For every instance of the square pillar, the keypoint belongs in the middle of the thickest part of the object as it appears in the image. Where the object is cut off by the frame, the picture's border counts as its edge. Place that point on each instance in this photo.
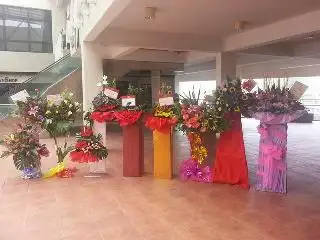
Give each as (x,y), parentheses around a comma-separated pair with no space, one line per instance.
(225,66)
(155,85)
(92,71)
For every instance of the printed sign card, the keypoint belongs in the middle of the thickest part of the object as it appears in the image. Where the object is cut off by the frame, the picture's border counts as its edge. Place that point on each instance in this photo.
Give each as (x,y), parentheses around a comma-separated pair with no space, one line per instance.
(20,96)
(128,101)
(166,101)
(111,92)
(54,99)
(250,85)
(298,89)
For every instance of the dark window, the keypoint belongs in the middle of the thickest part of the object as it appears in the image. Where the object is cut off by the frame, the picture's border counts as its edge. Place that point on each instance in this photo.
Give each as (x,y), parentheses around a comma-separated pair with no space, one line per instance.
(25,29)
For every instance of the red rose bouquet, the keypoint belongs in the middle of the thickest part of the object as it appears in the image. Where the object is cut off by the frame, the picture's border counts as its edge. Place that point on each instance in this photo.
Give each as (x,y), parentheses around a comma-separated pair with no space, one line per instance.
(131,110)
(88,147)
(106,102)
(164,115)
(26,149)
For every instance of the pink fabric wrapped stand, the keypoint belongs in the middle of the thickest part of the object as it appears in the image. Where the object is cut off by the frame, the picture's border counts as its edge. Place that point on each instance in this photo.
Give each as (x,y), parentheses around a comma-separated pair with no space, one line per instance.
(272,166)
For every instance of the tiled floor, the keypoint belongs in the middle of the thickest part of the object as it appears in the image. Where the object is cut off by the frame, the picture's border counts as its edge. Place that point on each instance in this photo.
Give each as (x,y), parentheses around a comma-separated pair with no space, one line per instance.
(145,208)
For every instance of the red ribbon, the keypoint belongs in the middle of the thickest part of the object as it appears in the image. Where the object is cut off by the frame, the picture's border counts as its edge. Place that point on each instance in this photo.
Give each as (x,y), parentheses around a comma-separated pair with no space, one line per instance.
(83,157)
(127,117)
(163,125)
(102,116)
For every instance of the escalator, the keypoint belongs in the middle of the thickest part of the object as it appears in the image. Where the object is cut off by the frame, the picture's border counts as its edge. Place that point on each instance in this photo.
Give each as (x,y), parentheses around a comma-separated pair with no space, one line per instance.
(45,79)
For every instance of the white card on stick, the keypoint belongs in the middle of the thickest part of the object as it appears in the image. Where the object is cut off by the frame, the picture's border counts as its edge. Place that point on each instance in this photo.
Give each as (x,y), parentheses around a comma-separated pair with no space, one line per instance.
(298,89)
(20,96)
(111,92)
(252,85)
(166,101)
(55,99)
(128,101)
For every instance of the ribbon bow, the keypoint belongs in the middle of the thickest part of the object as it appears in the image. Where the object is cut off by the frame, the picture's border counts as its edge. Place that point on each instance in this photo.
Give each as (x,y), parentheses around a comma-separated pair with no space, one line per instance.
(190,170)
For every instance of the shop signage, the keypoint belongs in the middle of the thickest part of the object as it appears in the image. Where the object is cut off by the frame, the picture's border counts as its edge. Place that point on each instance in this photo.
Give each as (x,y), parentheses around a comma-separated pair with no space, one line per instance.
(14,77)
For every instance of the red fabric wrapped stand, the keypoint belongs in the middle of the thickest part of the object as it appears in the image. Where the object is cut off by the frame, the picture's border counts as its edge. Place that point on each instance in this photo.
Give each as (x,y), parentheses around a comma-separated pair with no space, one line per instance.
(230,165)
(133,156)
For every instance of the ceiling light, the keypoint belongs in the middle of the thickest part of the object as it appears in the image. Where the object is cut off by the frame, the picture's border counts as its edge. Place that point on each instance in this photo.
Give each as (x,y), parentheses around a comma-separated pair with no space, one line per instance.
(149,13)
(239,25)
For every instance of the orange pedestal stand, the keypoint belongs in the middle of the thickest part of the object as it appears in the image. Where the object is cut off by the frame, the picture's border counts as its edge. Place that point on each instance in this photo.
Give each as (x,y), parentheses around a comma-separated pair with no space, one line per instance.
(162,150)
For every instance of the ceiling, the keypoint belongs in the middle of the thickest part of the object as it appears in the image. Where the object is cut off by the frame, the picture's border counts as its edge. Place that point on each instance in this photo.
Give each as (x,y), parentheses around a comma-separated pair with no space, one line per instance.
(209,17)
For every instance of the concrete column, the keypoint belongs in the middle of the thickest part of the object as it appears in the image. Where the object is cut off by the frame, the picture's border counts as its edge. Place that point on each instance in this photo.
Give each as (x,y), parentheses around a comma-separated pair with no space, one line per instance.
(225,66)
(92,71)
(155,85)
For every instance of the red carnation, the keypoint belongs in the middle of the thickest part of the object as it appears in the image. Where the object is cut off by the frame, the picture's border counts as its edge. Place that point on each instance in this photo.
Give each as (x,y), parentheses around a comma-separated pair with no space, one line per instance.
(86,132)
(81,144)
(106,108)
(127,117)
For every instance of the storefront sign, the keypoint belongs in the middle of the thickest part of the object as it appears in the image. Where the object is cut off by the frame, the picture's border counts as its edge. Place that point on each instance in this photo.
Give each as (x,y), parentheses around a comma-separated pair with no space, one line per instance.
(6,77)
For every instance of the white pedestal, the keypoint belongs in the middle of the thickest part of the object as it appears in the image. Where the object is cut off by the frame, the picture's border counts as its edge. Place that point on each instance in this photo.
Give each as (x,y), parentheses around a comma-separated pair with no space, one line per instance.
(99,167)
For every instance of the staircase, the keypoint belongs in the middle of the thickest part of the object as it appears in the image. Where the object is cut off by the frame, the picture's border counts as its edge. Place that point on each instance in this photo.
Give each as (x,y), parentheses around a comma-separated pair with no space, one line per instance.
(44,80)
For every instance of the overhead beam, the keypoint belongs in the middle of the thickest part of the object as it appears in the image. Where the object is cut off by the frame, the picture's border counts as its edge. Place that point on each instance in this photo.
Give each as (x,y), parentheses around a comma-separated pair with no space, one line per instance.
(277,49)
(310,50)
(120,52)
(155,56)
(274,32)
(197,57)
(101,15)
(157,40)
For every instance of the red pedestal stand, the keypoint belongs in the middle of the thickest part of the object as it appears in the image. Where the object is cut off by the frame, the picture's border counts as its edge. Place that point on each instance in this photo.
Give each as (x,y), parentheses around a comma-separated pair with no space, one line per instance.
(230,165)
(133,157)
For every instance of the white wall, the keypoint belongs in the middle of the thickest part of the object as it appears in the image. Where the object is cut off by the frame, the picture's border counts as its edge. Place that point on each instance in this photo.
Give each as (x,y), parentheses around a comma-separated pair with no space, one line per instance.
(201,76)
(24,61)
(28,61)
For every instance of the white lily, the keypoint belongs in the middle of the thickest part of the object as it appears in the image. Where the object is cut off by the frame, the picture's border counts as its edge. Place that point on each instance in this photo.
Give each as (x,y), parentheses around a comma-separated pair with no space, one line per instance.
(99,84)
(69,113)
(76,103)
(105,82)
(71,94)
(105,77)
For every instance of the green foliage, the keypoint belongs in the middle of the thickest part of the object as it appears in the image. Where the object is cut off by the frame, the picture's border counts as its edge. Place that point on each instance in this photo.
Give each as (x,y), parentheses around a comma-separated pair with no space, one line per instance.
(192,98)
(63,151)
(135,91)
(24,145)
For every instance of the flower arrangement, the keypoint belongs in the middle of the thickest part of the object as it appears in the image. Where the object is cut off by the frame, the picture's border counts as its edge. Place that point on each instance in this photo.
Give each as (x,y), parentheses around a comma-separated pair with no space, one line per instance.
(195,120)
(88,147)
(60,114)
(164,116)
(26,149)
(32,110)
(130,112)
(275,99)
(103,105)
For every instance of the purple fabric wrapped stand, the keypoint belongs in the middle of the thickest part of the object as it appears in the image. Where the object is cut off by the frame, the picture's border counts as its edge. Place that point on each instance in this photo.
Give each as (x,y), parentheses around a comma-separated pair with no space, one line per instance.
(272,166)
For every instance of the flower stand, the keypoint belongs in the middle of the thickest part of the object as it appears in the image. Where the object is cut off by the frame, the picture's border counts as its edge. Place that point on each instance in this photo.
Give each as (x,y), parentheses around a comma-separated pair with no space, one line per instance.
(205,142)
(272,166)
(100,166)
(230,165)
(133,150)
(163,152)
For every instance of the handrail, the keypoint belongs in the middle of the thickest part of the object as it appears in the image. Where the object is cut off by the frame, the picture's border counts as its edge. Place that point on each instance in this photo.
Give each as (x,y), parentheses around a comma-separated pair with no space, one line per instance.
(48,67)
(18,86)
